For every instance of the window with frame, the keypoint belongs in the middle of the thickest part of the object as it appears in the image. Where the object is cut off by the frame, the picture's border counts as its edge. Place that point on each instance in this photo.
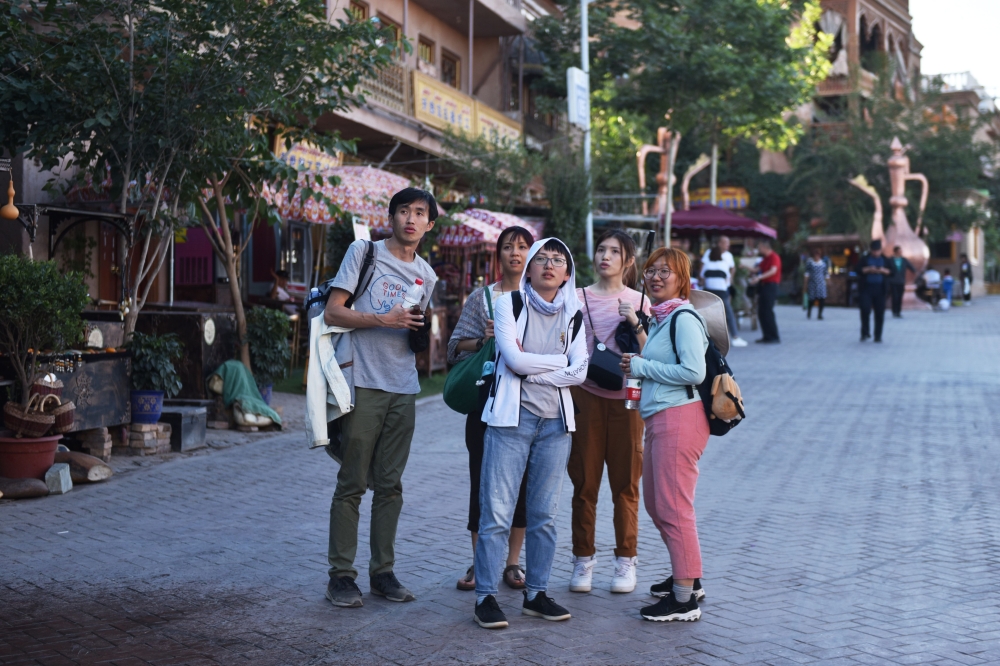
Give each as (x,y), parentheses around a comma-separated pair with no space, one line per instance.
(358,10)
(394,29)
(425,50)
(451,69)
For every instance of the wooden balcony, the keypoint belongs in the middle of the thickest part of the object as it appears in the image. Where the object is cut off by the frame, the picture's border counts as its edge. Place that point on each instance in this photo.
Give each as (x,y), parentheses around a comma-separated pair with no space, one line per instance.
(389,89)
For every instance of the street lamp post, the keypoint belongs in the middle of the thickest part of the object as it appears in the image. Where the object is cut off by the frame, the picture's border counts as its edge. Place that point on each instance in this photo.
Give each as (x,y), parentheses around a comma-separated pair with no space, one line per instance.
(585,66)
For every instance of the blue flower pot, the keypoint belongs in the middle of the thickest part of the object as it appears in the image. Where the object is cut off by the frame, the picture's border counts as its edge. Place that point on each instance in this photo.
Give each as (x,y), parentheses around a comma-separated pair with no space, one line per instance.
(266,392)
(147,406)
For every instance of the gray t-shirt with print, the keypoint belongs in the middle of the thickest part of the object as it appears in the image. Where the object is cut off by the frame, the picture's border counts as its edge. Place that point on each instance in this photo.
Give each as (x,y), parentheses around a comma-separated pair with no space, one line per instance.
(382,356)
(543,335)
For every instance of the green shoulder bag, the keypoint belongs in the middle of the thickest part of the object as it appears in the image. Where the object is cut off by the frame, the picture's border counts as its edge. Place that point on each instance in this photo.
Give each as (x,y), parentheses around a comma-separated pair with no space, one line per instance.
(461,387)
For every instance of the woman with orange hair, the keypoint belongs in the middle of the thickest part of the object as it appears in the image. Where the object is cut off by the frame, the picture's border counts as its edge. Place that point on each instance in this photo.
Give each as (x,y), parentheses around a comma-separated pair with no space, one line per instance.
(676,428)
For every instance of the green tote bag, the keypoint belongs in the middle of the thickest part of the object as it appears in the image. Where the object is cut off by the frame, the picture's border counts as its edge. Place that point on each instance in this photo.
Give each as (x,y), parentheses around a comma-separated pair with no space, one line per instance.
(461,388)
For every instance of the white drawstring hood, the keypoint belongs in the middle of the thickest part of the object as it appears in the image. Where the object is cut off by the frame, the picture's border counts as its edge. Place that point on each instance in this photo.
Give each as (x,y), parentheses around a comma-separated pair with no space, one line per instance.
(570,301)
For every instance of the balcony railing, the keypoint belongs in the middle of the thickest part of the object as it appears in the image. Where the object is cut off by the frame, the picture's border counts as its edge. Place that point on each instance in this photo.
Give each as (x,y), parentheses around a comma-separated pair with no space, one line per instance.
(389,88)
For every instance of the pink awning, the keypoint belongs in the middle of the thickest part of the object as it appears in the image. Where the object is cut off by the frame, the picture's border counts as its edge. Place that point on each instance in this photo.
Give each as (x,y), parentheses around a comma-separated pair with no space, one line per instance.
(363,192)
(478,226)
(709,218)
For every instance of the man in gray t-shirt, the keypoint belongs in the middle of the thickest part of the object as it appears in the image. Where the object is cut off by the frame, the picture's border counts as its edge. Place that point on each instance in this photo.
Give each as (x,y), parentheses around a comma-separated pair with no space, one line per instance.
(382,356)
(375,436)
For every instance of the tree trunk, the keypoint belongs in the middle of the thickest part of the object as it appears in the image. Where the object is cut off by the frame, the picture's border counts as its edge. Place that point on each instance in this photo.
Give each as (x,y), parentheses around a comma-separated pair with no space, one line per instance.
(84,468)
(241,317)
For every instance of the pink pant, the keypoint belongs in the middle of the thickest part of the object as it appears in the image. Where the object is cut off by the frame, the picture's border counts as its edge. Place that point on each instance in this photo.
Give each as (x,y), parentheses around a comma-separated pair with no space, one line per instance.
(675,439)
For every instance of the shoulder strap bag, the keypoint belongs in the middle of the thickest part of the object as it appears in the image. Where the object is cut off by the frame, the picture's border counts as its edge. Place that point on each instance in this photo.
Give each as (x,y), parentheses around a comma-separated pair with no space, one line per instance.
(605,365)
(461,386)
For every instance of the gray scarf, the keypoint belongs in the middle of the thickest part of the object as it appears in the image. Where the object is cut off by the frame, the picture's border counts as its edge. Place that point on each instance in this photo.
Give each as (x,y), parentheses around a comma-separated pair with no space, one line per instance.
(543,305)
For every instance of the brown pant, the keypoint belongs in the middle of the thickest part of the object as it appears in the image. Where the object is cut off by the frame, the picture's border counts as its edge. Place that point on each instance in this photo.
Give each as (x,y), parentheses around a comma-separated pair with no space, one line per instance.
(606,433)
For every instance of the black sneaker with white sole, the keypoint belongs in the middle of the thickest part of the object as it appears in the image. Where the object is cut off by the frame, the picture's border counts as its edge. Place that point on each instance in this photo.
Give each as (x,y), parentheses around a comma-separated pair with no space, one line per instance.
(668,609)
(544,607)
(667,586)
(488,614)
(386,585)
(343,592)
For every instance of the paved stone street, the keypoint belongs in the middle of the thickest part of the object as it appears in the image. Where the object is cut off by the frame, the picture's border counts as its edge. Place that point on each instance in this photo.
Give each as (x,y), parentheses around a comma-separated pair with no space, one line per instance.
(852,519)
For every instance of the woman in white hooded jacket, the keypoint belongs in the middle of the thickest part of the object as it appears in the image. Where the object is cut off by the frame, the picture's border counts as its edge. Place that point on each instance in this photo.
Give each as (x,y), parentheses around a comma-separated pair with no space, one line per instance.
(530,415)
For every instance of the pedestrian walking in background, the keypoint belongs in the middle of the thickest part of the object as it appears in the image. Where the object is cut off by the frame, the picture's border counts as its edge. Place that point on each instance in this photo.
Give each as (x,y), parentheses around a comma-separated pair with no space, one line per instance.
(767,280)
(816,271)
(474,328)
(376,434)
(874,273)
(897,281)
(965,275)
(717,271)
(676,430)
(607,433)
(530,416)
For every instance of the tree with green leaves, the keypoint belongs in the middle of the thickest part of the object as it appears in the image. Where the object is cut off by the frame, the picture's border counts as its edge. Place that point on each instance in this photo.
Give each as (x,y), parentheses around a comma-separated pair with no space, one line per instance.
(179,103)
(497,172)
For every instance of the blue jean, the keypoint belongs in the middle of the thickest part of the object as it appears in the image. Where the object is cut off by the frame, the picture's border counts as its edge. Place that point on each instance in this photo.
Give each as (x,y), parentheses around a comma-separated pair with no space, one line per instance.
(541,445)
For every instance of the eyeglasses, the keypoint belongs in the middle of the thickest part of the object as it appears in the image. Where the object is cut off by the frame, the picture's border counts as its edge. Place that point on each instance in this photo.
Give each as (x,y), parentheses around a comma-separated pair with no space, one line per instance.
(664,273)
(558,262)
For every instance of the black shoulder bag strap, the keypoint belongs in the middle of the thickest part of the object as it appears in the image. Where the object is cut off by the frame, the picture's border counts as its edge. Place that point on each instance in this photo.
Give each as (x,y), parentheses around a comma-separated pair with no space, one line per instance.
(673,341)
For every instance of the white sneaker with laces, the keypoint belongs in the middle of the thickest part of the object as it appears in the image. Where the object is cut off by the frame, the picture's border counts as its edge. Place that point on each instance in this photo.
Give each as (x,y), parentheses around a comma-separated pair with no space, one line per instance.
(583,573)
(738,342)
(624,579)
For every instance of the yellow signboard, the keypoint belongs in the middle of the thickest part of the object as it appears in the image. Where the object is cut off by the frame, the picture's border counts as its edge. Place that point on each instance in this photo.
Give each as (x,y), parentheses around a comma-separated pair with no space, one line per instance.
(306,157)
(495,126)
(440,105)
(735,198)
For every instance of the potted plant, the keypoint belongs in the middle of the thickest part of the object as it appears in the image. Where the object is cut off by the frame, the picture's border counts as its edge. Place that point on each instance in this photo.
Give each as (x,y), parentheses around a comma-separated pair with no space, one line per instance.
(267,333)
(153,374)
(40,316)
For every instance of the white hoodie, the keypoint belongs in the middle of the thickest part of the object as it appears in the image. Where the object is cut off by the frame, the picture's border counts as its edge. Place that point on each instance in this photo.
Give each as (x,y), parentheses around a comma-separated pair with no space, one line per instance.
(503,407)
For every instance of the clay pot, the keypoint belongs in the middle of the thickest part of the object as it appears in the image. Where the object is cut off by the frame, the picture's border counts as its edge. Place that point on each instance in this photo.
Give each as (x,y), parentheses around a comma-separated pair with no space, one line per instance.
(27,457)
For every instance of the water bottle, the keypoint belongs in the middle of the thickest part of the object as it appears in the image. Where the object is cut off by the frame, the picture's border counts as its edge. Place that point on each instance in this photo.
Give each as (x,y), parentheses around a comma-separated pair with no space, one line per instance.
(414,295)
(633,392)
(316,307)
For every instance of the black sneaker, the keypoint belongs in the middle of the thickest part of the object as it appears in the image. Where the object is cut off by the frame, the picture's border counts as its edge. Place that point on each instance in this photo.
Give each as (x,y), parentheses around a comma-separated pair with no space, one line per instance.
(488,614)
(544,607)
(386,585)
(667,586)
(668,609)
(344,592)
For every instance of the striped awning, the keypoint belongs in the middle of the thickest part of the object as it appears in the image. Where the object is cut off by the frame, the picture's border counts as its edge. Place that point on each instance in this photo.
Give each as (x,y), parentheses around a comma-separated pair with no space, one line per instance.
(477,226)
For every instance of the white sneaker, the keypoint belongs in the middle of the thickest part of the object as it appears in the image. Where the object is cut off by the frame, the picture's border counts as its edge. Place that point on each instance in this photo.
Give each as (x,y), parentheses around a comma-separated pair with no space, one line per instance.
(624,580)
(738,342)
(583,573)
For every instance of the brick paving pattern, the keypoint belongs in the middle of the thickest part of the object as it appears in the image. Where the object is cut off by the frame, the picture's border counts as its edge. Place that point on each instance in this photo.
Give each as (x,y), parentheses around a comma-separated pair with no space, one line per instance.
(852,519)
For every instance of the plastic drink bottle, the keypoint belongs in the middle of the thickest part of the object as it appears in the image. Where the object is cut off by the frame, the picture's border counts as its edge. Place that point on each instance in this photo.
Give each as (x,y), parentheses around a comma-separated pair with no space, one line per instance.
(414,295)
(633,392)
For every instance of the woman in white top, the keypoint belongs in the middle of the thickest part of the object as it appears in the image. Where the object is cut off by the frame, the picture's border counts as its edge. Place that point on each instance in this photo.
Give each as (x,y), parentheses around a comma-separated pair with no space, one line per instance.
(716,277)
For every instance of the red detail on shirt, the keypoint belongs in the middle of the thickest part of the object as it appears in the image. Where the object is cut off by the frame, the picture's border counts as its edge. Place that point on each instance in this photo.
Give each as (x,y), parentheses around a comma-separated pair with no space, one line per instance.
(771,261)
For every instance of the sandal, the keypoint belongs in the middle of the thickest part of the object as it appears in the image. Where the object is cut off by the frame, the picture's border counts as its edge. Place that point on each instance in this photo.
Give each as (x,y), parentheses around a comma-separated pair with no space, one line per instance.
(468,582)
(514,577)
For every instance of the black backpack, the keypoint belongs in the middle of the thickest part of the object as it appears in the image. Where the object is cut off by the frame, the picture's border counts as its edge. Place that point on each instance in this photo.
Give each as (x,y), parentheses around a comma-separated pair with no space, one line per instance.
(715,365)
(317,304)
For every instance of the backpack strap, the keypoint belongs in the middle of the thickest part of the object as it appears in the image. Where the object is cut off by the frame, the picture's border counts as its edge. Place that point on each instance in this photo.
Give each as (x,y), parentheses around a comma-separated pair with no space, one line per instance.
(577,323)
(489,300)
(365,275)
(518,303)
(673,342)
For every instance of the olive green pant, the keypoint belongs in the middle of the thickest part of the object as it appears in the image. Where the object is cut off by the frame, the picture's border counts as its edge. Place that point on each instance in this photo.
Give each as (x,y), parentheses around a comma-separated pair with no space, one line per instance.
(376,439)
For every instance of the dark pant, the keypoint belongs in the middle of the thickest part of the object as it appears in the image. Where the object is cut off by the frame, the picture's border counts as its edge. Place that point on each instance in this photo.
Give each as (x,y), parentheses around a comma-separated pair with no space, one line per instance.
(768,294)
(897,298)
(730,315)
(376,444)
(821,302)
(872,298)
(475,431)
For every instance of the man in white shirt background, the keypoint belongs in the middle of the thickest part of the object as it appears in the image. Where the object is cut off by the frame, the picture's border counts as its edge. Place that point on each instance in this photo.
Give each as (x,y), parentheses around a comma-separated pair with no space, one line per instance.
(718,268)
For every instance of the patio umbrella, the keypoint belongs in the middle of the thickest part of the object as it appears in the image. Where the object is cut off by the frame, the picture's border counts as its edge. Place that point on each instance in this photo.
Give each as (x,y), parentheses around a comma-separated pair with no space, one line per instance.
(362,191)
(709,218)
(478,226)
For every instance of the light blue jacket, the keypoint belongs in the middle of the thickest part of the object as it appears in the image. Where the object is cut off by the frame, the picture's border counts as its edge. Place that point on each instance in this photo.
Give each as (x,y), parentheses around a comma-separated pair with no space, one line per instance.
(663,380)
